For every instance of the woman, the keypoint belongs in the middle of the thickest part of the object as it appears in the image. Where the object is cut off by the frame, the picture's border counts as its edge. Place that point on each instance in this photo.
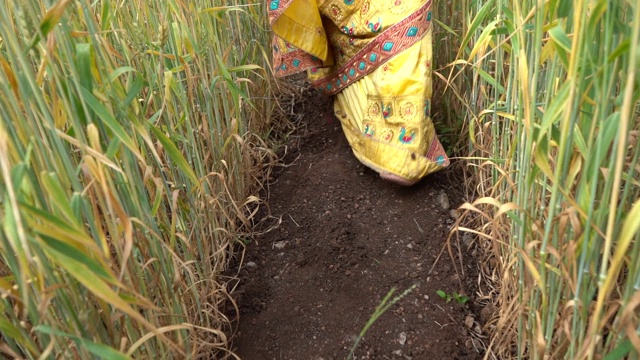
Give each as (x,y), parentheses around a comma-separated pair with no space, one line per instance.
(375,56)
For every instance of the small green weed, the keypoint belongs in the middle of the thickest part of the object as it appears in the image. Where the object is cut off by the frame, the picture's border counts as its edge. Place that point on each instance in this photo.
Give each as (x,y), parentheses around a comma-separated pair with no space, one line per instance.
(460,299)
(380,309)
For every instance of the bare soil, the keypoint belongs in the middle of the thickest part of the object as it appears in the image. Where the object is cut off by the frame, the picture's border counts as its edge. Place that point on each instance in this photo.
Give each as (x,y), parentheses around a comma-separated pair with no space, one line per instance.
(345,238)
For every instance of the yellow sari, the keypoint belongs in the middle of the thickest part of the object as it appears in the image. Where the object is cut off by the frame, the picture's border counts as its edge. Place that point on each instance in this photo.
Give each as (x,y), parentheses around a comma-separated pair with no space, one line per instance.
(375,56)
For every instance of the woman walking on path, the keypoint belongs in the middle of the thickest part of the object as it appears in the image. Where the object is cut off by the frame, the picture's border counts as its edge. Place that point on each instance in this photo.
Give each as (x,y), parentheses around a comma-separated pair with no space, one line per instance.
(375,57)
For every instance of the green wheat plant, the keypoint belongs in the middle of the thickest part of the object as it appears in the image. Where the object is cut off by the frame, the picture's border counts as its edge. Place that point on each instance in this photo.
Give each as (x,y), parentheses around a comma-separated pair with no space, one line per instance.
(550,92)
(130,149)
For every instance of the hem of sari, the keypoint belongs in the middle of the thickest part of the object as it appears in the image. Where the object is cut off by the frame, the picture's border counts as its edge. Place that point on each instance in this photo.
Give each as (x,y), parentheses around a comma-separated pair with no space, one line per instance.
(276,8)
(384,47)
(432,166)
(293,62)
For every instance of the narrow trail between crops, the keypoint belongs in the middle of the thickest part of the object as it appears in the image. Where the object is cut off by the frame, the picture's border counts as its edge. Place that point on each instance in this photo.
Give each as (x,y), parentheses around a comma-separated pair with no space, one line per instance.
(346,237)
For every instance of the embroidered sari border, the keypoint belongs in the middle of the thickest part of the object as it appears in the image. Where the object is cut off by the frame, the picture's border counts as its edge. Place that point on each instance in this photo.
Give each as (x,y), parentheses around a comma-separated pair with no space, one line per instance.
(276,8)
(292,62)
(385,46)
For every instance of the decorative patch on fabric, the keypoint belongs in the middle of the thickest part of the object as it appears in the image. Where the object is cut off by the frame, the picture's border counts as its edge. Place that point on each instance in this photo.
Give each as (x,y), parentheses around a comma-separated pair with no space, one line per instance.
(349,2)
(375,27)
(378,50)
(342,45)
(348,30)
(408,110)
(387,135)
(386,111)
(374,110)
(365,7)
(293,60)
(368,130)
(406,136)
(336,12)
(436,153)
(413,31)
(276,8)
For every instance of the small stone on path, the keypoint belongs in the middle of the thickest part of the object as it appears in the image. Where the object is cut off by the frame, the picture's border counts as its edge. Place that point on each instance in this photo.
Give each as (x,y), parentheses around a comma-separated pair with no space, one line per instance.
(402,339)
(468,321)
(443,200)
(280,244)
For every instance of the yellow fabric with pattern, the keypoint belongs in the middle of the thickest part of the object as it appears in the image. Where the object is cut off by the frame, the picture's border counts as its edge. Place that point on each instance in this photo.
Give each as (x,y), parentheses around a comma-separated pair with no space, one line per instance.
(301,25)
(378,65)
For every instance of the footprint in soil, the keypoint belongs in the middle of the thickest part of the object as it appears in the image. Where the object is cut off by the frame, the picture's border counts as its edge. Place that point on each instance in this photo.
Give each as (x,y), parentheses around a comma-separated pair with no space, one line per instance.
(346,239)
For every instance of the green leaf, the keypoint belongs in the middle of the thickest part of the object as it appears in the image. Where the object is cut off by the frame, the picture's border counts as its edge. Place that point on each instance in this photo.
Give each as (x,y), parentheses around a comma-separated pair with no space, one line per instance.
(10,331)
(83,274)
(484,39)
(105,15)
(72,252)
(51,183)
(100,350)
(107,117)
(49,21)
(119,71)
(175,155)
(553,113)
(460,299)
(486,12)
(620,50)
(77,205)
(560,38)
(134,90)
(447,28)
(564,8)
(622,350)
(483,74)
(84,58)
(45,222)
(236,92)
(561,43)
(595,15)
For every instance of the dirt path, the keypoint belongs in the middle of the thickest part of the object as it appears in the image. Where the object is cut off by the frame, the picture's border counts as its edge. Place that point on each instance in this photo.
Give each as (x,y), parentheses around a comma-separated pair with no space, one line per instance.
(346,238)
